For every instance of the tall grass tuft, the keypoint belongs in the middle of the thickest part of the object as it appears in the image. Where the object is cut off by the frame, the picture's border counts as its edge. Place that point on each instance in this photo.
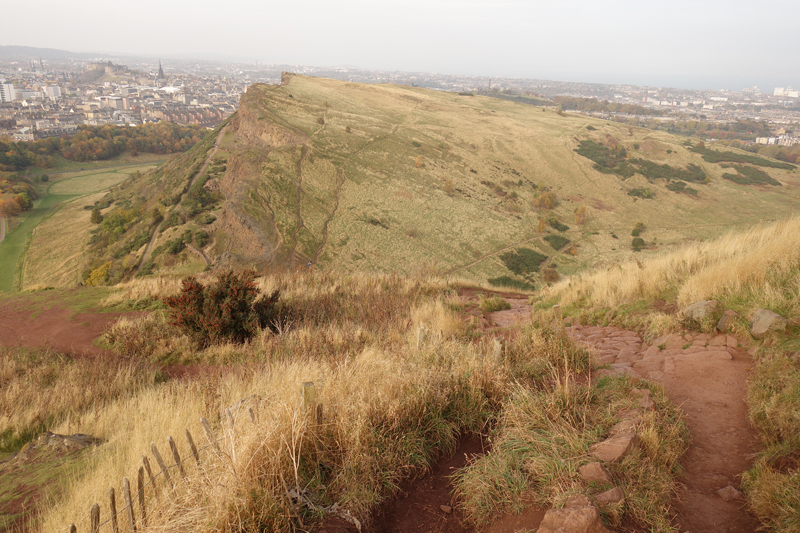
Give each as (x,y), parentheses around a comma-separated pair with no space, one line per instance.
(757,268)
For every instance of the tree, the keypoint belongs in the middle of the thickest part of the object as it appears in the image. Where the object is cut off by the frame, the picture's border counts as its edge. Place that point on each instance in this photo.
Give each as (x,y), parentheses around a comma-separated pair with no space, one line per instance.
(96,217)
(580,215)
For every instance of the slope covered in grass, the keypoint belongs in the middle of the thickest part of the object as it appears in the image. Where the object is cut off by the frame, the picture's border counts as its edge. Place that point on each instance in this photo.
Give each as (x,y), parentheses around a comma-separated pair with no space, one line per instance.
(758,268)
(403,179)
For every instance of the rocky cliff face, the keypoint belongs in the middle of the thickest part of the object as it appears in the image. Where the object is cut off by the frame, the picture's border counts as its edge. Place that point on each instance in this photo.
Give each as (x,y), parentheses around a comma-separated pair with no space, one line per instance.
(252,237)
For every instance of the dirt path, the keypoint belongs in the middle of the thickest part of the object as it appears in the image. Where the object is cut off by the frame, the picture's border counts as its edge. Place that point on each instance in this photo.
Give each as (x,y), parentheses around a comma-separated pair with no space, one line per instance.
(707,376)
(32,325)
(146,254)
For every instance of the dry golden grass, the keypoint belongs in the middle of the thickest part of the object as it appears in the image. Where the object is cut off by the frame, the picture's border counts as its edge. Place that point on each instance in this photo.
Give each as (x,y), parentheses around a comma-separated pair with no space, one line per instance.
(392,403)
(42,388)
(748,270)
(56,253)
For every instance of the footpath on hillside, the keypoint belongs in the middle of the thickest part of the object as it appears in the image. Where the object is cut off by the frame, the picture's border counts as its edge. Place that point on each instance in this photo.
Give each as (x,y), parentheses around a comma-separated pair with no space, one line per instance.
(706,375)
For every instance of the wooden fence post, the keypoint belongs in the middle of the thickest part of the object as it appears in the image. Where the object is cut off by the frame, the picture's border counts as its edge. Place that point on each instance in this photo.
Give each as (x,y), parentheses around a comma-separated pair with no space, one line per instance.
(140,495)
(498,351)
(73,529)
(112,505)
(146,463)
(193,447)
(126,491)
(212,440)
(176,456)
(559,320)
(309,396)
(160,461)
(94,519)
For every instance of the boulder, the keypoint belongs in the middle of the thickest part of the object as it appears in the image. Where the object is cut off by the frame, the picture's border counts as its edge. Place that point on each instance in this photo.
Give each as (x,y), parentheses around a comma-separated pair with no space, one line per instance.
(595,472)
(725,321)
(729,493)
(765,321)
(615,447)
(702,309)
(614,495)
(577,516)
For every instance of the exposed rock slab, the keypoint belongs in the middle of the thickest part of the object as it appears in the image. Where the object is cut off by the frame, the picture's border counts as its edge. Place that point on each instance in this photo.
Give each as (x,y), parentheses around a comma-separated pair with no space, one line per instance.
(577,516)
(764,322)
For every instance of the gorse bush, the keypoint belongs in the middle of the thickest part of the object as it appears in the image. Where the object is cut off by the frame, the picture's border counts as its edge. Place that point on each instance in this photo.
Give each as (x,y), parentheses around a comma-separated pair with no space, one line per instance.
(229,309)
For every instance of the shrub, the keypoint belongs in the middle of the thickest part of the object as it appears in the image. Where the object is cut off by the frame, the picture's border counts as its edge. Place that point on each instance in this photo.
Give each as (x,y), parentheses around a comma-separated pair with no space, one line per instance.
(637,244)
(550,275)
(556,241)
(96,217)
(229,309)
(557,224)
(522,261)
(201,238)
(508,281)
(546,201)
(495,303)
(645,193)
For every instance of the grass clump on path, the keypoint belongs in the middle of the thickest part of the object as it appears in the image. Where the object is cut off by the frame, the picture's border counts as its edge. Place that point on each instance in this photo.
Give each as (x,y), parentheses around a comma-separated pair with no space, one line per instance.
(543,438)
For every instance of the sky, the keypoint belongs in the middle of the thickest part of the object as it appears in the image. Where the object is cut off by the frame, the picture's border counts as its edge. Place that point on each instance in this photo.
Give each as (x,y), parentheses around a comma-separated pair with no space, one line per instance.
(697,44)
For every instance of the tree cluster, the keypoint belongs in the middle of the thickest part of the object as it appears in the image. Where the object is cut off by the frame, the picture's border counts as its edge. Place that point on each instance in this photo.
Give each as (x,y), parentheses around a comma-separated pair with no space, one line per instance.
(93,143)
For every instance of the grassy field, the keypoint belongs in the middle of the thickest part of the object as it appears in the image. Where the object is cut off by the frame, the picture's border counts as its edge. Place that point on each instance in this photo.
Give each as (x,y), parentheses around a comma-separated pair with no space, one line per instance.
(65,187)
(406,180)
(56,253)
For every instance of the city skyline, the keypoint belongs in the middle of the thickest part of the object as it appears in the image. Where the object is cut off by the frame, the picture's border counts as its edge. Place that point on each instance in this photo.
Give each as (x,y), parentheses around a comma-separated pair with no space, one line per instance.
(689,45)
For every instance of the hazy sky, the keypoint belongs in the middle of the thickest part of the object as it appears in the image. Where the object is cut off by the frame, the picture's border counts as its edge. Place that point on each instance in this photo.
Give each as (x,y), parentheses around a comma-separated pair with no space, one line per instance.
(702,44)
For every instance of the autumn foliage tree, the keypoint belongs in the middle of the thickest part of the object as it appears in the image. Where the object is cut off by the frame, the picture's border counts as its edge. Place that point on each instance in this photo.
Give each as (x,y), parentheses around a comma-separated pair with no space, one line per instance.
(580,215)
(546,200)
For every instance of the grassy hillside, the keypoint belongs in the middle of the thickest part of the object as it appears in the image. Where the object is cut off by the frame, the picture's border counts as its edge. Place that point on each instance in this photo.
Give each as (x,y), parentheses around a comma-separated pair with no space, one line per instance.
(402,179)
(746,271)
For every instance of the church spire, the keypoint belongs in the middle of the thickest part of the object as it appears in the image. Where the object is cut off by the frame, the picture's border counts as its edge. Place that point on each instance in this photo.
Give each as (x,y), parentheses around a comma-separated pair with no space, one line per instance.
(160,71)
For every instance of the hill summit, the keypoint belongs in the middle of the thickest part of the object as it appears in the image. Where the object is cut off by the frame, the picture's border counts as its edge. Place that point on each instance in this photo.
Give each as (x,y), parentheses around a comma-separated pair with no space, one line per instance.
(404,179)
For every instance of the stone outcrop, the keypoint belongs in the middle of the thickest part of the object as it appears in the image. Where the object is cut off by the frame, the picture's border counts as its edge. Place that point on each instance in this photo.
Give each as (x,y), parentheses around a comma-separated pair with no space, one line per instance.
(577,516)
(765,322)
(614,495)
(703,309)
(725,321)
(595,473)
(615,447)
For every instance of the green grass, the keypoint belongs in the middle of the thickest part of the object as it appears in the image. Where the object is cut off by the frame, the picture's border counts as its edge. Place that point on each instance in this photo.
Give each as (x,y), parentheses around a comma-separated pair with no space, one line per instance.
(543,438)
(13,246)
(494,303)
(59,192)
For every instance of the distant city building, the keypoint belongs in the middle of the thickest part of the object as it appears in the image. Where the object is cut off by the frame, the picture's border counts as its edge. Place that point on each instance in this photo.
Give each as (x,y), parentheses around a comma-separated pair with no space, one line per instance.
(106,66)
(53,92)
(779,91)
(6,91)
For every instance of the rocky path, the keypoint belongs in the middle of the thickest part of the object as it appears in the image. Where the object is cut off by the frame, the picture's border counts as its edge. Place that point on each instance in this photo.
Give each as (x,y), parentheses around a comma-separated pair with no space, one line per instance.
(707,376)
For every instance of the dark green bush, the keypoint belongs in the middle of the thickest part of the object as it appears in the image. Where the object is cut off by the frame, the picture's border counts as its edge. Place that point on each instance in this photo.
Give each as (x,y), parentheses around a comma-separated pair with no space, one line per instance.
(231,309)
(201,238)
(556,241)
(522,261)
